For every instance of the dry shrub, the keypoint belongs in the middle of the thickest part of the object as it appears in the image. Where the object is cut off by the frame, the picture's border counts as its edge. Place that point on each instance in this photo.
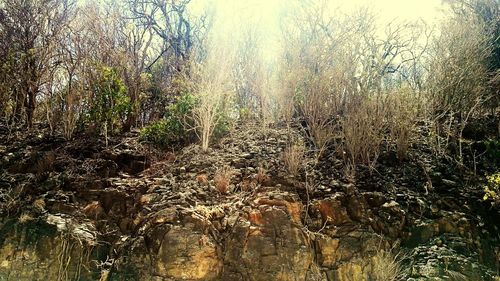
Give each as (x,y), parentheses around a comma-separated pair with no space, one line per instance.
(363,132)
(213,92)
(319,106)
(25,217)
(457,87)
(222,179)
(293,157)
(94,210)
(71,114)
(261,177)
(385,266)
(247,185)
(202,179)
(46,163)
(170,157)
(39,204)
(287,83)
(402,114)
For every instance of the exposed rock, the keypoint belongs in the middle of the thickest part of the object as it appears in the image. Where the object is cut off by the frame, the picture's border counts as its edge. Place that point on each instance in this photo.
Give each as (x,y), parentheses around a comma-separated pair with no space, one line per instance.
(185,253)
(58,250)
(332,210)
(268,243)
(169,223)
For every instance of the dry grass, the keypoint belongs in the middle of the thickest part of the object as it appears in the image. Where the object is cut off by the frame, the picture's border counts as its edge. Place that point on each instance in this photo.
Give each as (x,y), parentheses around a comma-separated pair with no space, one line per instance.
(261,177)
(170,157)
(202,179)
(39,204)
(247,185)
(385,266)
(71,114)
(24,218)
(363,132)
(293,157)
(222,179)
(403,111)
(10,200)
(320,104)
(94,210)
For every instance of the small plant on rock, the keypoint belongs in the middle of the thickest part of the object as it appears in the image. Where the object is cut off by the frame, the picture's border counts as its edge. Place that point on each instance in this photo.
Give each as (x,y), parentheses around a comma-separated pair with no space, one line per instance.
(261,177)
(492,190)
(385,266)
(222,179)
(202,179)
(293,157)
(247,185)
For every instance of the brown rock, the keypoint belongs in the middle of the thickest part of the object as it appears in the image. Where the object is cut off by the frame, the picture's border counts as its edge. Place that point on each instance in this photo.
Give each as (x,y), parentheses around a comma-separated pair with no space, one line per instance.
(187,254)
(269,246)
(94,210)
(332,212)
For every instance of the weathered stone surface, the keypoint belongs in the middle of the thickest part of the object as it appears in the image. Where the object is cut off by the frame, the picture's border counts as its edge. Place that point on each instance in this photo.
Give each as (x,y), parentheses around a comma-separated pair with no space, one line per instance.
(332,210)
(447,258)
(187,254)
(57,250)
(166,223)
(268,244)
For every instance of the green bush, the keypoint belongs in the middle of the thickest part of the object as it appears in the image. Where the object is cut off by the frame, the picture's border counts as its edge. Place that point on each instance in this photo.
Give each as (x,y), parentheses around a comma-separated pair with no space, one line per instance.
(222,126)
(156,133)
(492,190)
(176,126)
(493,149)
(111,104)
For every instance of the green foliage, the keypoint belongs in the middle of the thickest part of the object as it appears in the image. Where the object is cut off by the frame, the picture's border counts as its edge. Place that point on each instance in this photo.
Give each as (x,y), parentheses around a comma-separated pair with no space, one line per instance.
(173,128)
(157,133)
(111,103)
(222,126)
(244,113)
(492,190)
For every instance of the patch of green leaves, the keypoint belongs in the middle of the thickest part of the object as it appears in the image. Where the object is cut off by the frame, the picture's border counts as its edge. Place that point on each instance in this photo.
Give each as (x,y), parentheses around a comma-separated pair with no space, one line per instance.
(174,127)
(492,189)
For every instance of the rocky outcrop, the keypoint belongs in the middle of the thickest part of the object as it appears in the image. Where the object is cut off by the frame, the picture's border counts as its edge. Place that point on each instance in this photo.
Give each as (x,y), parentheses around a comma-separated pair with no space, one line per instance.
(95,214)
(268,242)
(54,249)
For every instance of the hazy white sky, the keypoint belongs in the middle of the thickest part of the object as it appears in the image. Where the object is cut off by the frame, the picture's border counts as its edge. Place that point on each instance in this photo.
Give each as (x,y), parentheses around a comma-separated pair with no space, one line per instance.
(265,15)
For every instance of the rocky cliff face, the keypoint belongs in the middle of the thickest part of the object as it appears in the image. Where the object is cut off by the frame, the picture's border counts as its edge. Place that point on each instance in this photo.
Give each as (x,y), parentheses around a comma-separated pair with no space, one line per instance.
(80,211)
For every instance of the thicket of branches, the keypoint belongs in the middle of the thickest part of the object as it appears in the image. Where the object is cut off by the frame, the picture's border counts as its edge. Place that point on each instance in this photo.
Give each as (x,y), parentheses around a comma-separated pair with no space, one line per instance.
(107,68)
(80,66)
(355,87)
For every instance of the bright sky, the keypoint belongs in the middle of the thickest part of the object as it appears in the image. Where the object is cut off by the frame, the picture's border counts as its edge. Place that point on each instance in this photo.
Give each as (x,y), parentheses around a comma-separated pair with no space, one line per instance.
(264,15)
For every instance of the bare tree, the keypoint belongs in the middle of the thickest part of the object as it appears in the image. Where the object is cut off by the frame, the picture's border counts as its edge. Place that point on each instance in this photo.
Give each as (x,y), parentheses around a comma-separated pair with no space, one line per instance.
(32,27)
(249,74)
(213,91)
(458,77)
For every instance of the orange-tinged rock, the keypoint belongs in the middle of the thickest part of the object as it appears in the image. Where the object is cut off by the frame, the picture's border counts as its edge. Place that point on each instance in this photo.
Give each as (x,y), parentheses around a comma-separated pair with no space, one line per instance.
(294,209)
(255,217)
(269,246)
(146,199)
(332,212)
(186,254)
(327,251)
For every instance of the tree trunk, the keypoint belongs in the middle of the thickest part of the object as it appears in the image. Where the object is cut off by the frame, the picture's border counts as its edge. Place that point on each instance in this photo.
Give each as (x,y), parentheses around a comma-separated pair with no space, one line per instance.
(30,108)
